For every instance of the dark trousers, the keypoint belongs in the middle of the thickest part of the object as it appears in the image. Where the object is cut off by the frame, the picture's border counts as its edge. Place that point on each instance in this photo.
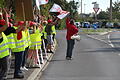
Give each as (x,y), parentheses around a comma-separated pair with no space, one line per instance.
(45,42)
(4,67)
(70,46)
(18,62)
(25,56)
(53,37)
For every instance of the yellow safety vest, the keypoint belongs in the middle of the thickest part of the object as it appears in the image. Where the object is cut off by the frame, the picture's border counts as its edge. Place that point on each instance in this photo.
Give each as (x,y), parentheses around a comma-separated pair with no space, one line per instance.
(4,48)
(11,41)
(28,37)
(36,40)
(20,44)
(43,32)
(53,30)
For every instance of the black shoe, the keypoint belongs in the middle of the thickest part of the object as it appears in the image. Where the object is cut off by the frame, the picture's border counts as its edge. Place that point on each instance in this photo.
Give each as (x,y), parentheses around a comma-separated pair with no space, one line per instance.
(48,51)
(4,78)
(51,52)
(20,76)
(68,58)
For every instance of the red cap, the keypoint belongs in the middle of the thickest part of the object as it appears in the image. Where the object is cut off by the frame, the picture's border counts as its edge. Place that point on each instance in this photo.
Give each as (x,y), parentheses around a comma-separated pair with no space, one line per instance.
(49,21)
(32,23)
(2,22)
(20,23)
(7,15)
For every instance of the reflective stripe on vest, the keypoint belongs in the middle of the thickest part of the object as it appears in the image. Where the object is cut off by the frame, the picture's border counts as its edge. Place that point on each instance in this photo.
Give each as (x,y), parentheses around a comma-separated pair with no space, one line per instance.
(11,41)
(4,48)
(25,38)
(36,41)
(20,44)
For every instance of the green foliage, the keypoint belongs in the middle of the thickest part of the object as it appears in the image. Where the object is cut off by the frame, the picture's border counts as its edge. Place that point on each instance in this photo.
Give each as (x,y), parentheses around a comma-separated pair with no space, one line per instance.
(1,3)
(103,15)
(72,7)
(115,10)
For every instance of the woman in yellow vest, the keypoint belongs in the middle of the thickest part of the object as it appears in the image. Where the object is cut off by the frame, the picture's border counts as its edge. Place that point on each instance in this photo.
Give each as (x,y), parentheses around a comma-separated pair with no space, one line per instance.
(33,57)
(28,43)
(44,40)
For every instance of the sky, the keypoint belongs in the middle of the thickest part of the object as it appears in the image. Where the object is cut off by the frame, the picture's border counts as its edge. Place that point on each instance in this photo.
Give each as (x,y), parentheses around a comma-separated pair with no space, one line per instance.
(88,6)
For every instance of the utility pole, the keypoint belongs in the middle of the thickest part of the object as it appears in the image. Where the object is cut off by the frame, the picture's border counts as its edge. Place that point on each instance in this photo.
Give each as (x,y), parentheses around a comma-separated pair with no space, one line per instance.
(84,8)
(111,10)
(81,6)
(81,10)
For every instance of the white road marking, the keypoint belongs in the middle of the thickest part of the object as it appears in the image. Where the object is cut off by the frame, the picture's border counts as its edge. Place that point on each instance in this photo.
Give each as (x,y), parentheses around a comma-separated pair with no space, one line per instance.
(110,43)
(97,39)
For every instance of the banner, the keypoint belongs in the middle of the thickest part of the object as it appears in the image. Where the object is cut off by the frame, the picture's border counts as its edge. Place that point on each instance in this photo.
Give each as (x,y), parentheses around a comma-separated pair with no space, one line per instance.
(57,8)
(38,4)
(41,2)
(63,14)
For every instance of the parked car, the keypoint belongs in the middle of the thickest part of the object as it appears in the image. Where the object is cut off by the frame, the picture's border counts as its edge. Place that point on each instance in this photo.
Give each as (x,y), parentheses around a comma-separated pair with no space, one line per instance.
(117,25)
(109,25)
(86,25)
(78,24)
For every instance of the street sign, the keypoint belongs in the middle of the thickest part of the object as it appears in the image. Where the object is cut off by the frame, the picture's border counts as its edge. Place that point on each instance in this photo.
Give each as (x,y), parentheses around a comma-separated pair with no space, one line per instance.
(96,7)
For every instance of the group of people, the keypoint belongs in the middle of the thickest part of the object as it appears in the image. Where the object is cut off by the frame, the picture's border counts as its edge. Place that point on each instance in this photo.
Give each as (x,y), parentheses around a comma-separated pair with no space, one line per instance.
(29,41)
(26,41)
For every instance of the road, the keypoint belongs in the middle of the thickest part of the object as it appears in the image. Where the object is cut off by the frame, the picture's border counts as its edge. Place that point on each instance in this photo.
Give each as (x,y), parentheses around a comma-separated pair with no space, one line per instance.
(92,60)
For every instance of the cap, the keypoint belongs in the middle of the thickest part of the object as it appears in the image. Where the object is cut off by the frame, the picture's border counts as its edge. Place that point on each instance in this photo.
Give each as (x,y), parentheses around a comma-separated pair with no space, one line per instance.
(2,22)
(49,21)
(32,23)
(20,23)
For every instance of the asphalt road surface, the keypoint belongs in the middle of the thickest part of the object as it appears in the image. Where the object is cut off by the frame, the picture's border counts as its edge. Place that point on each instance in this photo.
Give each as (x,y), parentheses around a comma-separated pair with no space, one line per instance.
(92,60)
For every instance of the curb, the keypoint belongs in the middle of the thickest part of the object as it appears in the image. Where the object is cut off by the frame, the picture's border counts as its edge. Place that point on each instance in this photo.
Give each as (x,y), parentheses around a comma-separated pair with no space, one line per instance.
(38,71)
(105,33)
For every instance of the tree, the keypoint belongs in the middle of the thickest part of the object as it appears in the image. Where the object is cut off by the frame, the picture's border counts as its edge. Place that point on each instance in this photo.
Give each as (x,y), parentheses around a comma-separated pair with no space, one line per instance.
(115,10)
(1,3)
(103,15)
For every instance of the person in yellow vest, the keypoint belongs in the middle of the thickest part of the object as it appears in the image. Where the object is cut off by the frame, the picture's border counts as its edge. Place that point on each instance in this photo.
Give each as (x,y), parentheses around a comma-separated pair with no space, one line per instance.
(33,57)
(44,40)
(28,43)
(49,31)
(53,33)
(41,54)
(44,37)
(4,56)
(4,46)
(19,50)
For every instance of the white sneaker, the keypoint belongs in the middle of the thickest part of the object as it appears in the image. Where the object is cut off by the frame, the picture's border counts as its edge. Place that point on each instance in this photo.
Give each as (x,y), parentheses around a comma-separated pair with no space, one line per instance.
(24,68)
(37,65)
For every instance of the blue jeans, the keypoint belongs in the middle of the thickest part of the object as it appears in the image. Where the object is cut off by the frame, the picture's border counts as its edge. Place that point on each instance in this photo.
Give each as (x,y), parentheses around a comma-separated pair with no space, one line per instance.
(70,46)
(18,62)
